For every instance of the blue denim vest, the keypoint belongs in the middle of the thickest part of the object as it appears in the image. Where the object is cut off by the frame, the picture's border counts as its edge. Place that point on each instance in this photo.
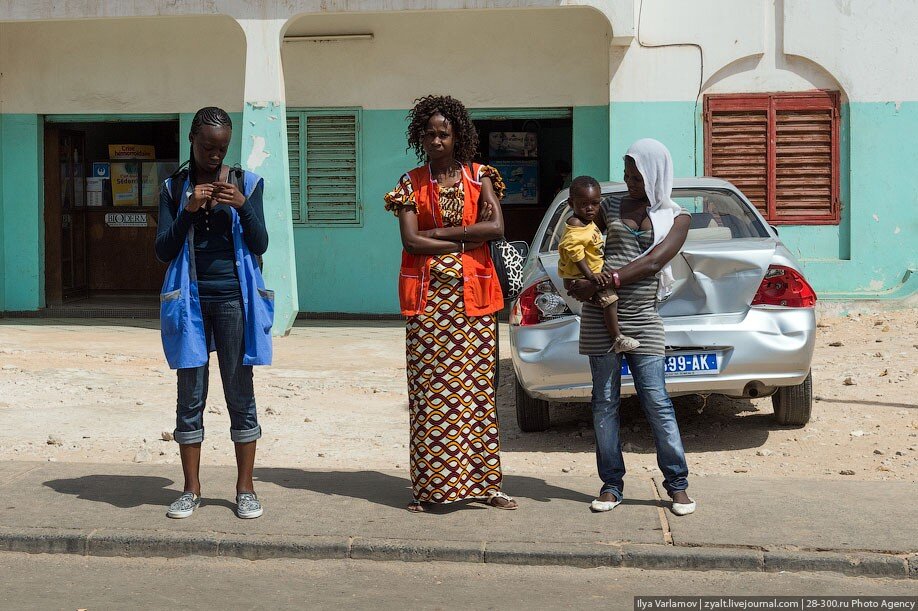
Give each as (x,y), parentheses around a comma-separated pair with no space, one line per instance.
(181,321)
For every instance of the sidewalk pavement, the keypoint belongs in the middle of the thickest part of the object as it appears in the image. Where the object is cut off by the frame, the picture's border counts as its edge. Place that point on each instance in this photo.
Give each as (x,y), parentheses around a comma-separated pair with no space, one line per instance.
(742,524)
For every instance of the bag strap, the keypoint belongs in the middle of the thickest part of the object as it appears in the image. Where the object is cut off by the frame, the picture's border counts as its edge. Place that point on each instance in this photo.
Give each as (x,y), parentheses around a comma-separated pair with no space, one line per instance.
(237,178)
(176,183)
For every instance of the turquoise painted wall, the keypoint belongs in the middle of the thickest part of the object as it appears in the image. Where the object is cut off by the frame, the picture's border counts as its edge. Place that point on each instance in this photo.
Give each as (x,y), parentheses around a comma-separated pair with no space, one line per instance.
(355,268)
(2,225)
(881,209)
(591,141)
(327,257)
(22,211)
(865,256)
(672,123)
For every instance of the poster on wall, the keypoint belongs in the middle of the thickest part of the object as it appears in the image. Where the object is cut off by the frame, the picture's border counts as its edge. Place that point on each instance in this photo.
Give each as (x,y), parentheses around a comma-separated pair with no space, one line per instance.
(131,151)
(125,174)
(513,144)
(95,192)
(124,183)
(522,180)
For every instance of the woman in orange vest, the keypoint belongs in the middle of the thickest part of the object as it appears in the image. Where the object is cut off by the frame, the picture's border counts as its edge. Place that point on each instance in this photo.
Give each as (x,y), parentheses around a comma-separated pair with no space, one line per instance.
(448,209)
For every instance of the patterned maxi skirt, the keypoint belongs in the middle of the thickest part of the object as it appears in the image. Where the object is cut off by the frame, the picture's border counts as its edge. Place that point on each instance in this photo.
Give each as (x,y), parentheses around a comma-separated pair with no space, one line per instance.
(451,401)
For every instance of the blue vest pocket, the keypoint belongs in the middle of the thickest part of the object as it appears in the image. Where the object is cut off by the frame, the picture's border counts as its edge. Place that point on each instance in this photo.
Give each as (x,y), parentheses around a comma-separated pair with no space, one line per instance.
(171,308)
(265,314)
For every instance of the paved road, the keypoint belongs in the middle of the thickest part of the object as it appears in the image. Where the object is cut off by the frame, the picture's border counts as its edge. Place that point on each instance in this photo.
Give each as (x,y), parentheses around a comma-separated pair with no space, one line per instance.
(76,582)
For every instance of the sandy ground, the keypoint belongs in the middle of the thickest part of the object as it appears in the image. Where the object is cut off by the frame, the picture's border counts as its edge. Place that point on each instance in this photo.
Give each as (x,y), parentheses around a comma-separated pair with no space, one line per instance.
(100,391)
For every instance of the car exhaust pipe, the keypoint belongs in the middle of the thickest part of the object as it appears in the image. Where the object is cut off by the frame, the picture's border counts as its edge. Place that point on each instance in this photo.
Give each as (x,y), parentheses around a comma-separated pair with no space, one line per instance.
(754,389)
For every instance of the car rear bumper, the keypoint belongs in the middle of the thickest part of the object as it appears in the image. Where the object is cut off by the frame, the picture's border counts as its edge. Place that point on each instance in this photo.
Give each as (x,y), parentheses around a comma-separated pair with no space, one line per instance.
(759,351)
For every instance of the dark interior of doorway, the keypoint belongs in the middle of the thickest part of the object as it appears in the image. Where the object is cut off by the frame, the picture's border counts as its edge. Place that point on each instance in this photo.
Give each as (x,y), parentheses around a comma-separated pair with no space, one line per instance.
(552,160)
(88,263)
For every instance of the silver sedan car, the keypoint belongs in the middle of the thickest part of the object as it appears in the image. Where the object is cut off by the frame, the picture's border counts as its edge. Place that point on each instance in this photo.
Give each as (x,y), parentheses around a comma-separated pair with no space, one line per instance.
(739,322)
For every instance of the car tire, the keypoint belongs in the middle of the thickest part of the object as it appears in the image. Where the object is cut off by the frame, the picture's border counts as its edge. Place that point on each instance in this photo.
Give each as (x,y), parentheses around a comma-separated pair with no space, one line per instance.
(531,414)
(794,404)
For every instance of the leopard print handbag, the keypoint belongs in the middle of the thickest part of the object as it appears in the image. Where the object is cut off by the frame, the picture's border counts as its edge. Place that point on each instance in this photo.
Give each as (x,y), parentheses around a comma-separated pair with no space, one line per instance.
(509,258)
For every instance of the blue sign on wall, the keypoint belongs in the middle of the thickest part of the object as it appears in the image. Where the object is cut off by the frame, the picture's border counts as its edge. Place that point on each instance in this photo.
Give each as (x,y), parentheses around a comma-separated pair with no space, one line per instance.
(101,170)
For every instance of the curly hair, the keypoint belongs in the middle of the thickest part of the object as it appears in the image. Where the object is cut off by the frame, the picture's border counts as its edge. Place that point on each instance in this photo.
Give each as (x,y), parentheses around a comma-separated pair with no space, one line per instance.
(464,132)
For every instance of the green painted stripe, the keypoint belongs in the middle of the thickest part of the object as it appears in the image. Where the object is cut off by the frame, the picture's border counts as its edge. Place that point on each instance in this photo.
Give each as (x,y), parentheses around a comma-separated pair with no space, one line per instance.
(497,114)
(110,118)
(22,200)
(591,142)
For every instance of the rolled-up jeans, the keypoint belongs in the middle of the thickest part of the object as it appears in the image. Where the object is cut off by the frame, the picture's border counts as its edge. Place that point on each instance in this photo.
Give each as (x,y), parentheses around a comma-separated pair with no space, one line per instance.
(647,373)
(224,324)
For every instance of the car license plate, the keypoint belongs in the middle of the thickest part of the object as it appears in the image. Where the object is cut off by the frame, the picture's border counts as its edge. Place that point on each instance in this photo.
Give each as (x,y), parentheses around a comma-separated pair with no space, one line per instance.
(684,364)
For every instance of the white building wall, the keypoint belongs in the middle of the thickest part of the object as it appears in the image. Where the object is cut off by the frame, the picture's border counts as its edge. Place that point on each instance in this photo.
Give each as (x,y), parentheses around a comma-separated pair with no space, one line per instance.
(151,65)
(519,58)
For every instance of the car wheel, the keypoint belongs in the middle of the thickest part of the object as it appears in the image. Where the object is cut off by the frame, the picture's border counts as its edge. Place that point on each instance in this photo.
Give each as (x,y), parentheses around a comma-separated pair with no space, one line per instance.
(531,414)
(793,404)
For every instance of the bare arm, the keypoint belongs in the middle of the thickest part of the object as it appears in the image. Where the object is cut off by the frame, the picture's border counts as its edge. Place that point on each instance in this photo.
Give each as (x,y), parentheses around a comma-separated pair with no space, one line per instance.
(490,225)
(585,270)
(415,243)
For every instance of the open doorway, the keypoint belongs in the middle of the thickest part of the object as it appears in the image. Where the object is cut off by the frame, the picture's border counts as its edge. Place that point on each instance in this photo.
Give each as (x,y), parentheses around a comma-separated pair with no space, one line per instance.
(534,156)
(102,183)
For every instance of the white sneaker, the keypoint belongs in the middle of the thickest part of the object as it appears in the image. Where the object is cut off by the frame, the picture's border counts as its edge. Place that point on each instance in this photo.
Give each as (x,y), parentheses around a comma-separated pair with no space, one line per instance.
(248,506)
(184,506)
(600,506)
(683,509)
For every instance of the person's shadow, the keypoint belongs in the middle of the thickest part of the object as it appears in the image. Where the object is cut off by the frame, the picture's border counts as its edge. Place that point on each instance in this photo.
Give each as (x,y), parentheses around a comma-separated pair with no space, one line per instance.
(125,491)
(394,491)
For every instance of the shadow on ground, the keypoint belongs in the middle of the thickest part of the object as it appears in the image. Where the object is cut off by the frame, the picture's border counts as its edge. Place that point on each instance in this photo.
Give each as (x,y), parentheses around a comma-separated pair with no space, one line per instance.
(125,491)
(719,424)
(395,491)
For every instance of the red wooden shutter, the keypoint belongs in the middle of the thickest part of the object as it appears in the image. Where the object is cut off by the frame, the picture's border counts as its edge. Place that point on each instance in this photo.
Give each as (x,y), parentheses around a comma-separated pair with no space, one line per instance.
(781,150)
(806,158)
(736,145)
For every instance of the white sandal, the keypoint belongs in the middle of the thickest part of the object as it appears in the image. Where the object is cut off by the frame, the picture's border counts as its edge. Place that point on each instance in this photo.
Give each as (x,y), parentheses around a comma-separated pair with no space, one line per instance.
(600,506)
(683,509)
(506,497)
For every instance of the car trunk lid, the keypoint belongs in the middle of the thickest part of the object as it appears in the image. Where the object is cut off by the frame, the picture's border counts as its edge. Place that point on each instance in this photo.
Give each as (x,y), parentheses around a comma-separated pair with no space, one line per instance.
(712,276)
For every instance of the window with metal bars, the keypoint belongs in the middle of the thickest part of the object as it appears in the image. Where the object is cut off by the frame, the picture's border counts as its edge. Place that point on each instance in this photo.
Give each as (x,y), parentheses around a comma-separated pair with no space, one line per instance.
(780,149)
(323,148)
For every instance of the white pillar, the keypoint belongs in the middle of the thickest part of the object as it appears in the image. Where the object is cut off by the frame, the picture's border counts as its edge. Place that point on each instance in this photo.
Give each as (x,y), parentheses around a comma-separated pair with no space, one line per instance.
(264,151)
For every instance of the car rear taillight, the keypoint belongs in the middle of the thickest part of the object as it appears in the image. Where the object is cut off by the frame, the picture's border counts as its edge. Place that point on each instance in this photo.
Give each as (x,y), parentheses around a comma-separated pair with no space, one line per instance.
(784,286)
(538,303)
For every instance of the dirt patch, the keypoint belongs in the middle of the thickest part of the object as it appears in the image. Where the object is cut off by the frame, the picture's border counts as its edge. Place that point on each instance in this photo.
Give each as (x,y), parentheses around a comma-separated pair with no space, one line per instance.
(100,391)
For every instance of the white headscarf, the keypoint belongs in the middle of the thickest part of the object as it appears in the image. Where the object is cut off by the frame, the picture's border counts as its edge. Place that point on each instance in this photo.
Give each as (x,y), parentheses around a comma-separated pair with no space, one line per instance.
(655,164)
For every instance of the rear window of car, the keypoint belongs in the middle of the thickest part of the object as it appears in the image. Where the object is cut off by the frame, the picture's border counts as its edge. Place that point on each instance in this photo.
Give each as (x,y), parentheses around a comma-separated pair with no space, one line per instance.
(717,214)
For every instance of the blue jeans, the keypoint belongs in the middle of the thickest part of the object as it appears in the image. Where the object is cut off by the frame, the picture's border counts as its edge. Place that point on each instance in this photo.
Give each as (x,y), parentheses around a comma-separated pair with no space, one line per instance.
(223,328)
(647,372)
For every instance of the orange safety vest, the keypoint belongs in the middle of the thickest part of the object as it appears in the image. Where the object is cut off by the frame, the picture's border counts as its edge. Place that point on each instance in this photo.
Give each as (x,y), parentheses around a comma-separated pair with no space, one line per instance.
(481,287)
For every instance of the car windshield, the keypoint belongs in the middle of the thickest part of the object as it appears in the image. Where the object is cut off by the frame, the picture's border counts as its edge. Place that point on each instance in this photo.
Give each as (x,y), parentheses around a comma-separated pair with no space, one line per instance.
(717,214)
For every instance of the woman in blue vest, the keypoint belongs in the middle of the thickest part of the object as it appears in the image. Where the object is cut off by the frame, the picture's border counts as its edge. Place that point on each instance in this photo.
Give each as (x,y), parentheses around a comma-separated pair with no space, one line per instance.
(211,228)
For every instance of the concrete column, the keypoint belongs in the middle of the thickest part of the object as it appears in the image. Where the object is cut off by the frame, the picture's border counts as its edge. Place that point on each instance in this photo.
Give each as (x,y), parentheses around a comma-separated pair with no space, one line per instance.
(264,151)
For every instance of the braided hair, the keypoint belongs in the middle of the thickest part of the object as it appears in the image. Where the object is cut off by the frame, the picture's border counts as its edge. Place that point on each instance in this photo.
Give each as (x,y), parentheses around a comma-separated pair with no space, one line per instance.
(464,132)
(209,115)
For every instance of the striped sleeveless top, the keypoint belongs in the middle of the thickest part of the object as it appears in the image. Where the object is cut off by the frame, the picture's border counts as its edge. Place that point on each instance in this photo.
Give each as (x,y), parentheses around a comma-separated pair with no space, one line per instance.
(637,304)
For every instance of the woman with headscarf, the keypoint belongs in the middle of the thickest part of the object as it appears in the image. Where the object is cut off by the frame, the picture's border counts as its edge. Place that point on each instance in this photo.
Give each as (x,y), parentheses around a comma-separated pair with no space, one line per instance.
(644,231)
